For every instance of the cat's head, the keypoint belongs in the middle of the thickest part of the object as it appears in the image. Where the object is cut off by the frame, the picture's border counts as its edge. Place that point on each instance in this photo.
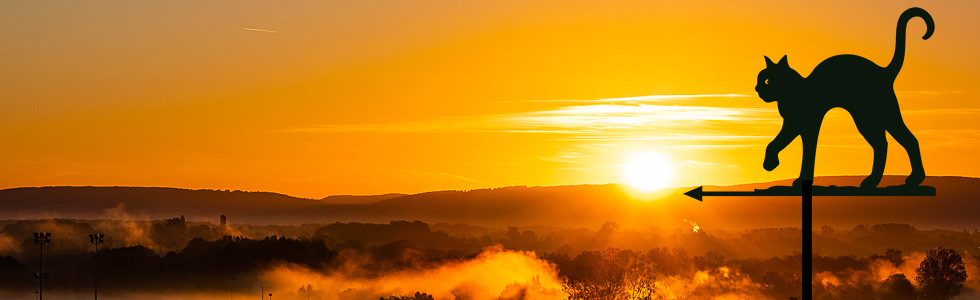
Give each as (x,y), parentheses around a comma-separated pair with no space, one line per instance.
(777,81)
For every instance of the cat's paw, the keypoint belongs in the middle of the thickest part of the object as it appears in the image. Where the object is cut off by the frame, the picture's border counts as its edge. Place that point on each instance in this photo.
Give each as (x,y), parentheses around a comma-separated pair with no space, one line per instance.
(770,163)
(870,182)
(916,178)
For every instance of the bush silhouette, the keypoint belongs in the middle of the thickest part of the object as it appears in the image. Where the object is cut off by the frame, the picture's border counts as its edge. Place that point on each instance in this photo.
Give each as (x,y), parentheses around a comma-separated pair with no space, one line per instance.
(941,274)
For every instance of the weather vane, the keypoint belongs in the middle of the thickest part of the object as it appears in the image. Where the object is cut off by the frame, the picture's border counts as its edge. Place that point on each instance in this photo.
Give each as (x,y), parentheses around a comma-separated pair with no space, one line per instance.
(867,92)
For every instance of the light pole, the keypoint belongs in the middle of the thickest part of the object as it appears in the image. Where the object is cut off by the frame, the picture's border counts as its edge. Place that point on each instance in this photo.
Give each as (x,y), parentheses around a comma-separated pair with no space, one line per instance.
(41,238)
(270,296)
(233,288)
(96,239)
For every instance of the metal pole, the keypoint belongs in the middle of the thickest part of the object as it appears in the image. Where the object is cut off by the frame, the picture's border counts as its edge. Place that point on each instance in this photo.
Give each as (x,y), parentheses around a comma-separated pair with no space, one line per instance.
(96,239)
(96,271)
(40,272)
(807,239)
(41,238)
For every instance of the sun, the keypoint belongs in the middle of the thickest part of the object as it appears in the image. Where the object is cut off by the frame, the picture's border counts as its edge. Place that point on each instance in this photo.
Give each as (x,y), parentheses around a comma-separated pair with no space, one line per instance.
(648,170)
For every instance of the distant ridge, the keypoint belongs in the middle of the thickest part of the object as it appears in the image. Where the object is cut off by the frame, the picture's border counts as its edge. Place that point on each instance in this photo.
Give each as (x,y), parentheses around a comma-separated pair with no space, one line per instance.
(954,207)
(359,199)
(143,202)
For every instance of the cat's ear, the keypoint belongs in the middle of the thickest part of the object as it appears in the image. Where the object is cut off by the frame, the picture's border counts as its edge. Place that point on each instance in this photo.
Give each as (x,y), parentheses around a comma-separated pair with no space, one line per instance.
(769,63)
(783,62)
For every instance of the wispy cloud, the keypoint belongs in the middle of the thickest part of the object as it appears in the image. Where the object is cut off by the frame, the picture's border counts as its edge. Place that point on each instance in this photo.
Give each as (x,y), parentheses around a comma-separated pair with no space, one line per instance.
(943,111)
(261,30)
(672,136)
(564,157)
(459,177)
(950,137)
(927,93)
(624,116)
(638,99)
(594,121)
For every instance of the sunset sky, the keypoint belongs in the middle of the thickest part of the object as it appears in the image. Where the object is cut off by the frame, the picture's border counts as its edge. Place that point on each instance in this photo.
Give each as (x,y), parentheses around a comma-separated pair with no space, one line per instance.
(316,98)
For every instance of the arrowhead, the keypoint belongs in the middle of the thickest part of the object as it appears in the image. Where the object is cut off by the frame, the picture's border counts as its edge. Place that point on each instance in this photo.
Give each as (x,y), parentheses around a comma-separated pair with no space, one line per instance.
(695,193)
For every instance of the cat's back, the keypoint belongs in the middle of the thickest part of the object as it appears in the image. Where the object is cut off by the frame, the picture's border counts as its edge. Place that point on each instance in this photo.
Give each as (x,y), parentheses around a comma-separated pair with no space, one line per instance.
(847,68)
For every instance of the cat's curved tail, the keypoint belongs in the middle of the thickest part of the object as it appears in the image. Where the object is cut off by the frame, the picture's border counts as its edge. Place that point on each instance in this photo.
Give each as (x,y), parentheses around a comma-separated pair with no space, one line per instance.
(903,21)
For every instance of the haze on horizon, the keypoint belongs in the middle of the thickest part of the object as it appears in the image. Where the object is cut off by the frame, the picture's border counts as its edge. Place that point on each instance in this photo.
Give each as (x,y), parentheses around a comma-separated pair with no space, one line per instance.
(320,98)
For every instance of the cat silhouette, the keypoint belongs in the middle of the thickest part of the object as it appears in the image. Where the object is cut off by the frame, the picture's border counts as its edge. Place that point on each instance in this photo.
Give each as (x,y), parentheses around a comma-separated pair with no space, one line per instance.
(850,82)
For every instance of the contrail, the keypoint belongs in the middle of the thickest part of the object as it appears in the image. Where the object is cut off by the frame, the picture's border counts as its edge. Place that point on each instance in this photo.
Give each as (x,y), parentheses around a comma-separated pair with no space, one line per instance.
(261,30)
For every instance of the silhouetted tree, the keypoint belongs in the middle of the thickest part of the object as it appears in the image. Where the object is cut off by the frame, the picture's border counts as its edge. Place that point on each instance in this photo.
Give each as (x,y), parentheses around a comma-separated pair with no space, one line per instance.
(417,296)
(513,233)
(895,256)
(941,274)
(709,261)
(892,255)
(846,291)
(610,274)
(640,280)
(897,287)
(826,230)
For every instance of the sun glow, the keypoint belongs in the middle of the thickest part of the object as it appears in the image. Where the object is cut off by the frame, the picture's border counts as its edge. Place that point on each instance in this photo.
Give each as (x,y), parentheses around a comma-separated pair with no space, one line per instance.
(648,171)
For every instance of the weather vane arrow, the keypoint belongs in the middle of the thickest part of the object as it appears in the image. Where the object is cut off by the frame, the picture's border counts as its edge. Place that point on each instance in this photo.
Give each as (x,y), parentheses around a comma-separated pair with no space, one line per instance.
(699,193)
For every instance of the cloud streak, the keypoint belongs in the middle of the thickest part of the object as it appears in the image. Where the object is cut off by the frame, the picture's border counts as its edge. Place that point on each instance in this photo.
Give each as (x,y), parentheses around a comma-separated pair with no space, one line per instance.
(640,99)
(460,177)
(623,116)
(641,118)
(261,30)
(602,119)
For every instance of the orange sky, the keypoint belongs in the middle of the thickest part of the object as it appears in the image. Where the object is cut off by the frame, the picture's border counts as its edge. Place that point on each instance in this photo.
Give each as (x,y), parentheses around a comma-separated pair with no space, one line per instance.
(313,98)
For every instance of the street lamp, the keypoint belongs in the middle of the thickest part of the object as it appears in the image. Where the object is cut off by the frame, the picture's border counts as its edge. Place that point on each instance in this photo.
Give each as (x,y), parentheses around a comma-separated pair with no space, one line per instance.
(270,296)
(96,239)
(41,238)
(233,288)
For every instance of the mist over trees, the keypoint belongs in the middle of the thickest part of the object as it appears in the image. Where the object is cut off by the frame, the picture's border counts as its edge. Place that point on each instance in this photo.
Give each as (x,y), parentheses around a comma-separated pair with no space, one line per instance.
(897,287)
(608,262)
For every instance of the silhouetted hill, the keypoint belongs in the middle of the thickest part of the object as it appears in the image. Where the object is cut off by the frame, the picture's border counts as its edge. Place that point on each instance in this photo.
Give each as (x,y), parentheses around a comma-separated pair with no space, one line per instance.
(355,199)
(954,207)
(149,202)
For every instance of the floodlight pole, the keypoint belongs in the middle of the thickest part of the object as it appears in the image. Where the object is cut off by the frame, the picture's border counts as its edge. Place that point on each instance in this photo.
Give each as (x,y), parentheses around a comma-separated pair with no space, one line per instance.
(96,239)
(41,238)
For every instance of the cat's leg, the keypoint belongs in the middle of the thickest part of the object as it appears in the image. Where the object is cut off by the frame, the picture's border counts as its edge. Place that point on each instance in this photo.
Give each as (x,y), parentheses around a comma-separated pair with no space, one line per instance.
(809,136)
(875,135)
(901,133)
(785,136)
